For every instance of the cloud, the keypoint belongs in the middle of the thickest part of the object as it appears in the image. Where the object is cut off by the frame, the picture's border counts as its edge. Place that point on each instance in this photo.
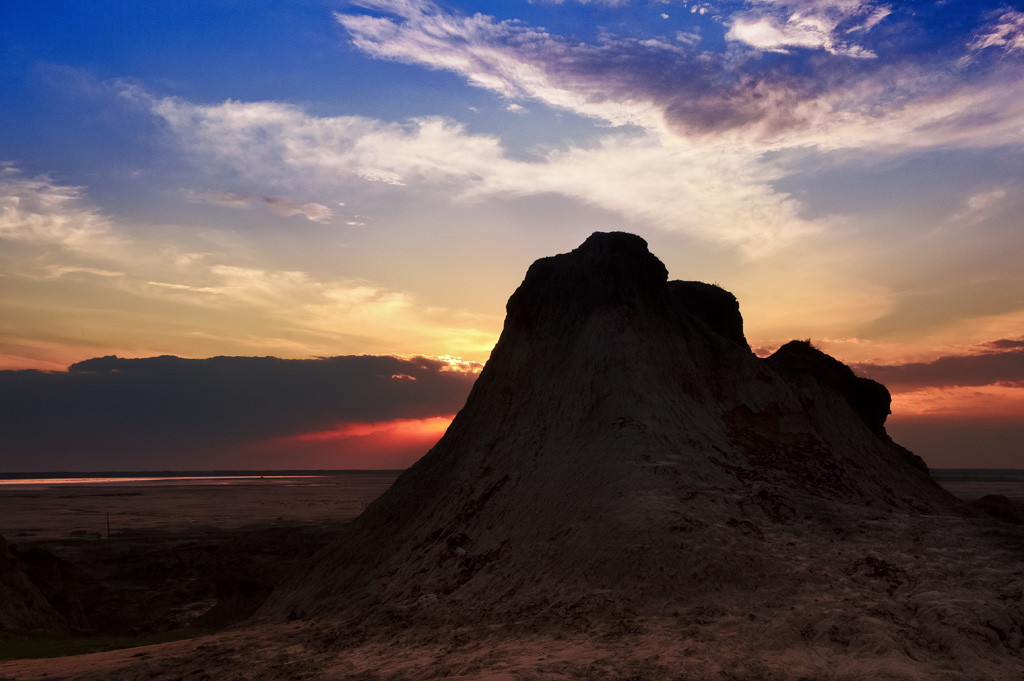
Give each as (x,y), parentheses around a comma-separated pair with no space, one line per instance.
(1006,344)
(1004,368)
(698,138)
(161,411)
(959,410)
(690,39)
(767,33)
(327,313)
(506,57)
(714,191)
(775,25)
(979,206)
(1007,33)
(296,149)
(314,212)
(37,211)
(909,100)
(56,271)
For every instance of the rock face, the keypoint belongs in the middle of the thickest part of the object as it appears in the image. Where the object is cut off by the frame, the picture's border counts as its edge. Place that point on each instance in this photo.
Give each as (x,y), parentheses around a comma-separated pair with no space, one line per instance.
(623,450)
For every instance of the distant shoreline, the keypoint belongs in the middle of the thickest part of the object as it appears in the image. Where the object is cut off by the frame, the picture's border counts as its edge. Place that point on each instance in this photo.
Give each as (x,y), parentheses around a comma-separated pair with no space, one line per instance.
(977,474)
(196,474)
(939,474)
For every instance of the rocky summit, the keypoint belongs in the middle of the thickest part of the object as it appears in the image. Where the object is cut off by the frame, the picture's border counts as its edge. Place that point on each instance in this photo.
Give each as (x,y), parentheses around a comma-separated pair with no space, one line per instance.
(625,455)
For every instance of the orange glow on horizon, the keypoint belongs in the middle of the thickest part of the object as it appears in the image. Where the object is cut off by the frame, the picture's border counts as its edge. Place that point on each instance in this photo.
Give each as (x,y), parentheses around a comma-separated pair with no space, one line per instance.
(390,444)
(989,402)
(398,428)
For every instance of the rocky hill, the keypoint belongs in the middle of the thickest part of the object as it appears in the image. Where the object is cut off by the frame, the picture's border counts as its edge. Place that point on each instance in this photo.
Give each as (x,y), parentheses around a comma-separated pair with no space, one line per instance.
(623,452)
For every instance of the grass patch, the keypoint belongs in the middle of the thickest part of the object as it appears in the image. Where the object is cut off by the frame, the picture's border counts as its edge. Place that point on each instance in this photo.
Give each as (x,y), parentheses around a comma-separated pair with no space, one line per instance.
(30,646)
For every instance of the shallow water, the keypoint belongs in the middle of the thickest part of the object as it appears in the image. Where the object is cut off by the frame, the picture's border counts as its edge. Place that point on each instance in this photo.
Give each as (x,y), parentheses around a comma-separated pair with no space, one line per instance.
(118,481)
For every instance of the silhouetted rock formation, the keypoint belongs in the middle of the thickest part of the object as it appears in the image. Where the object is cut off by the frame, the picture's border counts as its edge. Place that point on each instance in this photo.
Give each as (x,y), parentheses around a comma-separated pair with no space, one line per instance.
(622,451)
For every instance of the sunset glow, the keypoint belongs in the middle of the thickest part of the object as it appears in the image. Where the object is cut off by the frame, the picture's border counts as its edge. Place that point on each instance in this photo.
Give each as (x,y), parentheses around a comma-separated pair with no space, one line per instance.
(417,429)
(990,402)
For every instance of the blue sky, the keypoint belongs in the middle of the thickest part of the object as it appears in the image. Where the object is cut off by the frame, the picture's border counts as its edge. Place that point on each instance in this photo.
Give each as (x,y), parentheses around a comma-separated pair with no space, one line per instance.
(313,178)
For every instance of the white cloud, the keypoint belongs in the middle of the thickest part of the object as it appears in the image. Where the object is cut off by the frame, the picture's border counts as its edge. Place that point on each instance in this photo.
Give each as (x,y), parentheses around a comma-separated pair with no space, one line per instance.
(1007,33)
(279,146)
(980,206)
(715,191)
(775,25)
(989,114)
(688,39)
(505,57)
(316,212)
(41,212)
(873,19)
(766,33)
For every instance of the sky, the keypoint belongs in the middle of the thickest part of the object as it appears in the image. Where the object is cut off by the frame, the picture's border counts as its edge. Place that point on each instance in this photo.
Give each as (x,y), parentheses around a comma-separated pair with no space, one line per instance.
(309,179)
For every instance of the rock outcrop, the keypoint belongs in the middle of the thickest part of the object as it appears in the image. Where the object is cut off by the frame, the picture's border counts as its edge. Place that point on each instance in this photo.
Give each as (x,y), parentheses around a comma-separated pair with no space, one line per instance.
(622,447)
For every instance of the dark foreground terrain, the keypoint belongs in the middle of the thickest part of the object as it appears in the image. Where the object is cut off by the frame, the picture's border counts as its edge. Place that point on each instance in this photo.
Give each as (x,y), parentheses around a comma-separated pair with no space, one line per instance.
(176,580)
(180,560)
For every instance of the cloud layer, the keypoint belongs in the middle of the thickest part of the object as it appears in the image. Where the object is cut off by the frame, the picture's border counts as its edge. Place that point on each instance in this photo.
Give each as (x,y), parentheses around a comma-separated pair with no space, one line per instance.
(1004,366)
(684,139)
(168,412)
(661,85)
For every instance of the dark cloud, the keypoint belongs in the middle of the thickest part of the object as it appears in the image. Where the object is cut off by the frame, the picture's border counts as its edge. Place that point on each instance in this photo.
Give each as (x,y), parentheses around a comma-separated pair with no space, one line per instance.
(1006,344)
(110,413)
(992,368)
